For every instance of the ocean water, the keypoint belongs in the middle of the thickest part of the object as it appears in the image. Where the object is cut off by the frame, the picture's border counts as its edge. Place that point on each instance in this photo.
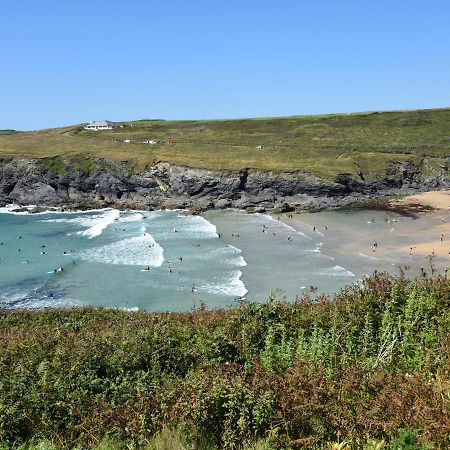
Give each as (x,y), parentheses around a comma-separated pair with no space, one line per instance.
(217,259)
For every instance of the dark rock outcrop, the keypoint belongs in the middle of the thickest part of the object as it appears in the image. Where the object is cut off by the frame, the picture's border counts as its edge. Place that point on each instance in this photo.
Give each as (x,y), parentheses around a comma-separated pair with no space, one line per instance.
(165,185)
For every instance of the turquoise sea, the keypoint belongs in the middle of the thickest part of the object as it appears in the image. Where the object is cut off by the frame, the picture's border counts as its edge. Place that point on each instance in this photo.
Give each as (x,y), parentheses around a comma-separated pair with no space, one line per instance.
(217,259)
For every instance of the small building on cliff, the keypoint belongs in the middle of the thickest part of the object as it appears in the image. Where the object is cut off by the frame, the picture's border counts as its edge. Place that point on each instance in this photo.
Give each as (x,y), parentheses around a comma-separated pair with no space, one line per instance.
(98,125)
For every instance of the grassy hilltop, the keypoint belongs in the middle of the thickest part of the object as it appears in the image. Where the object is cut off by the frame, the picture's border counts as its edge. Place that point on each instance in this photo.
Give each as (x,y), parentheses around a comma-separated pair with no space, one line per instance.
(324,145)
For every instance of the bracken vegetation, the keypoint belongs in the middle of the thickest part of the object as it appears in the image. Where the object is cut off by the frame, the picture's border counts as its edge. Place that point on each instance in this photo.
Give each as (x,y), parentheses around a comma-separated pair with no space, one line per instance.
(369,369)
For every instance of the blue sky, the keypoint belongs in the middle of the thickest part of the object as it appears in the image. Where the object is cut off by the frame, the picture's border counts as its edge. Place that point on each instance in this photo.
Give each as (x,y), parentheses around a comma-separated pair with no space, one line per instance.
(65,62)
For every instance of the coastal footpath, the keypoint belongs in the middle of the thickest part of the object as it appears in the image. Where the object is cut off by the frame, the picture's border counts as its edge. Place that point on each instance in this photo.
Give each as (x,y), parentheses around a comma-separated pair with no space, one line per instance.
(34,182)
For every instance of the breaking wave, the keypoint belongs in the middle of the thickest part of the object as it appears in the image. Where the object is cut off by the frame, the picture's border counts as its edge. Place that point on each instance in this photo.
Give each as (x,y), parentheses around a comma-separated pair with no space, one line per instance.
(231,285)
(197,227)
(100,223)
(140,250)
(336,271)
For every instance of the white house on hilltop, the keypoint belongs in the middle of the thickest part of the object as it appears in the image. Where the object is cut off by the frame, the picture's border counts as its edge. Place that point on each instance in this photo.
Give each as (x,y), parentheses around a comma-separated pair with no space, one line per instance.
(98,125)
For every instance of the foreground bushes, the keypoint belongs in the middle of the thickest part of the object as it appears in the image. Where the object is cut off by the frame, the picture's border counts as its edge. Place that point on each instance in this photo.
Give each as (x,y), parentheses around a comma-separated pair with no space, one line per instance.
(368,367)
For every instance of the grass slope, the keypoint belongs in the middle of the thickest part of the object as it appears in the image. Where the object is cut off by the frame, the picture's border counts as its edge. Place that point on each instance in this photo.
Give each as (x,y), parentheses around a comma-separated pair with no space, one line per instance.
(324,145)
(370,368)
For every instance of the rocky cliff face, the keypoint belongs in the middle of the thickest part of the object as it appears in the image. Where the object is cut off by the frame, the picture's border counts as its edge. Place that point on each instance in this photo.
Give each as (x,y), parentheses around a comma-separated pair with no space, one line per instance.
(26,182)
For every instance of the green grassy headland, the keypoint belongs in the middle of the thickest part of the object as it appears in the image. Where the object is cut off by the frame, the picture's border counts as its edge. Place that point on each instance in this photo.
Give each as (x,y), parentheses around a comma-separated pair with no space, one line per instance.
(324,145)
(369,369)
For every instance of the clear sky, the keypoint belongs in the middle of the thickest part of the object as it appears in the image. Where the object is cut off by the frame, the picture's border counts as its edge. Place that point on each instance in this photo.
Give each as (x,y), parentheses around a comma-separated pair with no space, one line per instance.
(65,61)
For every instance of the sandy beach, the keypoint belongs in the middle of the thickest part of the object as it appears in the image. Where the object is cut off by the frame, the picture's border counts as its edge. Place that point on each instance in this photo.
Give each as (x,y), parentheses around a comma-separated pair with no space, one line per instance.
(404,235)
(436,199)
(435,239)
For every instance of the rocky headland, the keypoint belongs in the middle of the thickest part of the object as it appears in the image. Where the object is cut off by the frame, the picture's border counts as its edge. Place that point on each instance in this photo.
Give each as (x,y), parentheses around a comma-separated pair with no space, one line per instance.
(167,186)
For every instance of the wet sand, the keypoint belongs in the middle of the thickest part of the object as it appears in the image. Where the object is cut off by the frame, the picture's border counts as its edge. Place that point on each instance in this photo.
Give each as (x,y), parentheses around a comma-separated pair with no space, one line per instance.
(368,240)
(435,238)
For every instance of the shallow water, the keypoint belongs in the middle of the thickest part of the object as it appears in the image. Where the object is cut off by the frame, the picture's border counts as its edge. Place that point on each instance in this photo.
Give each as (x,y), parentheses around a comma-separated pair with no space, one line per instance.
(349,235)
(217,259)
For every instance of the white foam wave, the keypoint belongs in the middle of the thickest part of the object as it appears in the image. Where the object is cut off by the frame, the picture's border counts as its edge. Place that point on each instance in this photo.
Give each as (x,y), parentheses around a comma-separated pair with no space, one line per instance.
(132,218)
(45,303)
(100,223)
(87,221)
(35,300)
(238,262)
(231,285)
(283,224)
(198,227)
(367,256)
(15,209)
(233,248)
(140,250)
(336,271)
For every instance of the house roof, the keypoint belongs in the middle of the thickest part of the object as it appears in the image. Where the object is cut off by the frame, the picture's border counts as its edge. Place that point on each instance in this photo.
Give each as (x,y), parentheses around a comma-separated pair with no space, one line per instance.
(101,123)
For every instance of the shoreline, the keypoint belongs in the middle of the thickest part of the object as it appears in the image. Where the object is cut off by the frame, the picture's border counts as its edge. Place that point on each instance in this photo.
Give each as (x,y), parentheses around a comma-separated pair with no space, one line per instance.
(405,234)
(345,236)
(408,204)
(439,245)
(432,239)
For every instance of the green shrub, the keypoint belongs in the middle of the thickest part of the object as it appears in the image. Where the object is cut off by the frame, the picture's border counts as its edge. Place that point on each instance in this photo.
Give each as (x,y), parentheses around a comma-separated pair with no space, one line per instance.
(356,369)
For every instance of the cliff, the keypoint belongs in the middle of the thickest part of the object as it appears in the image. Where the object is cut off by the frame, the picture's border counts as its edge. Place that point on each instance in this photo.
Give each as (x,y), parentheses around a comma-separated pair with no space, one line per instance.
(39,182)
